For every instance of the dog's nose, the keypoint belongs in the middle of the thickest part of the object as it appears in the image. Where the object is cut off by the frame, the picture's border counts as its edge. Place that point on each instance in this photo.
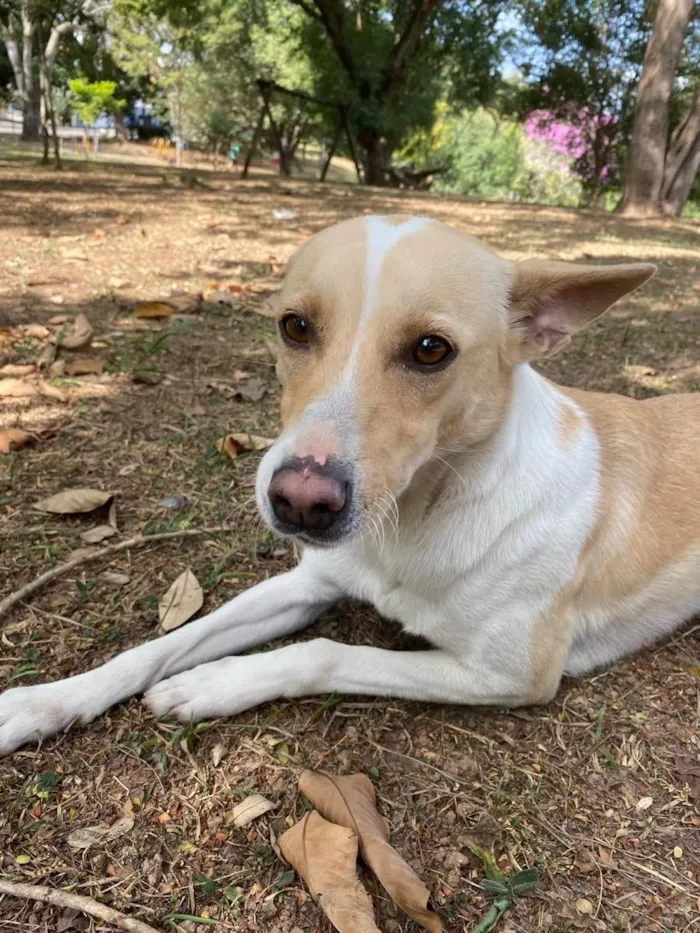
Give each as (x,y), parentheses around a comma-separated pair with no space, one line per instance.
(307,498)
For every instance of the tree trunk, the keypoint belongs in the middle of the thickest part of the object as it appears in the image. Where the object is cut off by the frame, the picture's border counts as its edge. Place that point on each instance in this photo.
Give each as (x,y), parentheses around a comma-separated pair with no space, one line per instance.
(30,97)
(682,161)
(647,150)
(371,142)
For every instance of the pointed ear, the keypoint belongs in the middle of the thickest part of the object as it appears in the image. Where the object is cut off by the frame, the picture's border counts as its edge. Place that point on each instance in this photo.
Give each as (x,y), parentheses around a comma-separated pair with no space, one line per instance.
(550,301)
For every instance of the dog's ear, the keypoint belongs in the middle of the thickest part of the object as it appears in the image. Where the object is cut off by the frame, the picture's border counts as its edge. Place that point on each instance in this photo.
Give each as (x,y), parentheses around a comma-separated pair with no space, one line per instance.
(550,301)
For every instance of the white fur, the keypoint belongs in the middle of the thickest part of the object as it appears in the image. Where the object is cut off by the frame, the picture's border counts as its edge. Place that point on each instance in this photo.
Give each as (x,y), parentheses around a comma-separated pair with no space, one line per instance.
(472,580)
(475,576)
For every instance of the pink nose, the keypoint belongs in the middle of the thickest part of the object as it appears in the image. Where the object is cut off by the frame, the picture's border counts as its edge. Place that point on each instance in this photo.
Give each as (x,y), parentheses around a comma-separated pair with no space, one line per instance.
(306,498)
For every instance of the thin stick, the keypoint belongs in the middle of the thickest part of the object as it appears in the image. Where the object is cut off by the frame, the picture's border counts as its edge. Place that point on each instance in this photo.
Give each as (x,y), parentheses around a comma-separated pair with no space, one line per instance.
(86,905)
(62,569)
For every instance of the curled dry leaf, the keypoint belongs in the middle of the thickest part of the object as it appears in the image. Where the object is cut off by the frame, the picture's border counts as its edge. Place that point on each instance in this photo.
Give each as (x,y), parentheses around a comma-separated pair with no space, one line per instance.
(97,534)
(235,444)
(152,309)
(51,391)
(86,366)
(183,599)
(74,501)
(93,835)
(14,438)
(16,388)
(77,335)
(250,809)
(17,369)
(325,856)
(350,801)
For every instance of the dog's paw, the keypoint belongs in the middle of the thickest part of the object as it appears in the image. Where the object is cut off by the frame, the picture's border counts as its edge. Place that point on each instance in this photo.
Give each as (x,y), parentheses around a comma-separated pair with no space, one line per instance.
(28,714)
(205,692)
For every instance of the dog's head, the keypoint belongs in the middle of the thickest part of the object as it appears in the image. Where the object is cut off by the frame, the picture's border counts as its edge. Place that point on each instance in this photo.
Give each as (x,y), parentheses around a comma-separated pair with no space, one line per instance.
(397,341)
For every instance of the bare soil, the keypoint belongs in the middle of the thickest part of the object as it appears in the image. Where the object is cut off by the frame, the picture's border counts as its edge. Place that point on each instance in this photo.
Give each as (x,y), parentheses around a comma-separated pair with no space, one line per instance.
(600,790)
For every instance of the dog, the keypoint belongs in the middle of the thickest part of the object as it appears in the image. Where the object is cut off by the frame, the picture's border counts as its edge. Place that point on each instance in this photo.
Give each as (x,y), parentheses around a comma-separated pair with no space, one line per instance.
(523,529)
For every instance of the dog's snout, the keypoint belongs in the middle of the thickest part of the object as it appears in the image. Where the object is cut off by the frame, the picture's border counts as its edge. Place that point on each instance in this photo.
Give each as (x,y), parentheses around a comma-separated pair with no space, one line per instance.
(304,497)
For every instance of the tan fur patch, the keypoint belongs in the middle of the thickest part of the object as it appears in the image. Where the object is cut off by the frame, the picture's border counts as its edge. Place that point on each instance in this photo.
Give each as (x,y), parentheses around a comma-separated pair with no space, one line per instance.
(569,427)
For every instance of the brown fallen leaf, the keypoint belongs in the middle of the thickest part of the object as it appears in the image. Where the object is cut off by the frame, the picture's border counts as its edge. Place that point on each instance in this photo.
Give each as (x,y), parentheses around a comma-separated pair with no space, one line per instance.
(17,369)
(152,309)
(222,297)
(235,444)
(85,366)
(325,856)
(98,533)
(147,378)
(38,331)
(74,501)
(250,809)
(58,319)
(16,388)
(350,801)
(92,835)
(47,357)
(78,334)
(14,438)
(179,604)
(185,303)
(51,391)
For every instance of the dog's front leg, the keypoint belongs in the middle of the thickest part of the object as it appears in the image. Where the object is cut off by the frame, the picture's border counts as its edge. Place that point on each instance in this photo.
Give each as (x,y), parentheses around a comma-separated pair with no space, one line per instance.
(269,610)
(323,666)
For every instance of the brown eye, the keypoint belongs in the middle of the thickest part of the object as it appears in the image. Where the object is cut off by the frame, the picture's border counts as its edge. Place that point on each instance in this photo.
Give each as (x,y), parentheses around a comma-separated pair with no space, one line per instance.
(295,329)
(431,350)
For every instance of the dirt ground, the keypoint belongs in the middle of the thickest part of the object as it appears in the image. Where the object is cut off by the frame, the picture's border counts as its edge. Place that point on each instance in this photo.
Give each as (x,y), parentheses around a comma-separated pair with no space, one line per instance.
(599,790)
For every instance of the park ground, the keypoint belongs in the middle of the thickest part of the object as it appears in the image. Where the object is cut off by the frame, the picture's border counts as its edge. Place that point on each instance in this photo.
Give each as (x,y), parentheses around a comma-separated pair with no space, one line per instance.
(599,790)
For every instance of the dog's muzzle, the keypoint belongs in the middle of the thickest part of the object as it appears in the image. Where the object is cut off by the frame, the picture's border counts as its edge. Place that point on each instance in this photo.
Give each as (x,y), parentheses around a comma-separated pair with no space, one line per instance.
(310,499)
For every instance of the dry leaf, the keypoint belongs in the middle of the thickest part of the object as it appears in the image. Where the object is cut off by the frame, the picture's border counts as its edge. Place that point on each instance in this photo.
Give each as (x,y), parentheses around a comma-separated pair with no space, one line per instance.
(584,906)
(252,390)
(235,444)
(16,388)
(14,438)
(58,319)
(180,603)
(217,753)
(97,534)
(152,309)
(250,809)
(79,334)
(86,366)
(325,856)
(117,579)
(39,331)
(185,303)
(74,501)
(51,391)
(350,801)
(17,369)
(93,835)
(644,803)
(216,296)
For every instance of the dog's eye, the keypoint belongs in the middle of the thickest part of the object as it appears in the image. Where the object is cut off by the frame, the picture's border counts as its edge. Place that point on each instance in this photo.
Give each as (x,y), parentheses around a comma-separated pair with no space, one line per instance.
(295,329)
(431,350)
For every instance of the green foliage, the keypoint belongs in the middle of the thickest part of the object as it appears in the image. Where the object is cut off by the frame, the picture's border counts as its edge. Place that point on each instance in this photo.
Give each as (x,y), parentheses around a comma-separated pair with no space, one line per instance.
(91,99)
(491,157)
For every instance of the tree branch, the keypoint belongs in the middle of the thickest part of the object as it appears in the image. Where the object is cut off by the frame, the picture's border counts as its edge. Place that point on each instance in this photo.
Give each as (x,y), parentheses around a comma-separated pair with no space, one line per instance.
(330,15)
(407,45)
(86,905)
(308,9)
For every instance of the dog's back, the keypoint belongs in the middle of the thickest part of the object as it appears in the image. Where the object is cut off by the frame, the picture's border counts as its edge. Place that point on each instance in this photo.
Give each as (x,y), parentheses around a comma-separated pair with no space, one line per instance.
(641,566)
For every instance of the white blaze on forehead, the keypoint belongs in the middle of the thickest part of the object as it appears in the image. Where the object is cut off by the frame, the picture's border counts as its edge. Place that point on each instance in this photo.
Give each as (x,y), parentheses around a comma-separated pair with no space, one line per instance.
(381,238)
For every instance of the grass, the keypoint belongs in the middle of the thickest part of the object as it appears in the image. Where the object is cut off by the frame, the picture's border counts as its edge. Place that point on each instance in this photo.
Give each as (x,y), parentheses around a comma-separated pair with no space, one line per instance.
(561,785)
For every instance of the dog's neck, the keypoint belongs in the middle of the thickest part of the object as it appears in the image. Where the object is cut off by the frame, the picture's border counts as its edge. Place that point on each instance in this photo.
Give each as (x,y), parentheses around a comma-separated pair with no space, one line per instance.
(524,451)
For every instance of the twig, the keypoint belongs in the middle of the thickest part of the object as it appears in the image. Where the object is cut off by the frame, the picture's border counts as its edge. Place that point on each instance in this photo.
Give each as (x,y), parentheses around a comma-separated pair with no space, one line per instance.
(62,569)
(86,905)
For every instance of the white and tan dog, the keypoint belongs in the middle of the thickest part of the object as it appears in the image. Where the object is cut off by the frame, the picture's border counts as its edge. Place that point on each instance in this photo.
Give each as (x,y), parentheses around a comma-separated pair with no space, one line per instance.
(524,529)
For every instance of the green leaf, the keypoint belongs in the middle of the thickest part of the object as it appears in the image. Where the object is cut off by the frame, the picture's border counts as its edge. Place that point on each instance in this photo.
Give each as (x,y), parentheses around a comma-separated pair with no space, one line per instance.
(283,881)
(526,880)
(493,916)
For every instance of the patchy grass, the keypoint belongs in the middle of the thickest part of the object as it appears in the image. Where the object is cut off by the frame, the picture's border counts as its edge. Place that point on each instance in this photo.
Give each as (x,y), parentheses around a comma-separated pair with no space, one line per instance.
(568,786)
